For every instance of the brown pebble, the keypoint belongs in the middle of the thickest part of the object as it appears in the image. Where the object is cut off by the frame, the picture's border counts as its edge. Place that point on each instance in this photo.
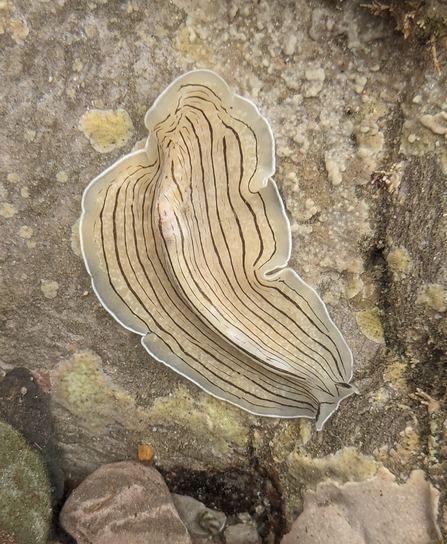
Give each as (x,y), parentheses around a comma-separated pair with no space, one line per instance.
(145,453)
(6,537)
(123,502)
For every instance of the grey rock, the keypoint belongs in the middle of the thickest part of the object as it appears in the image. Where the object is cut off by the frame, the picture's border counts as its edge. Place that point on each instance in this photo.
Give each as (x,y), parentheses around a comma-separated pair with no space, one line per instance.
(206,525)
(203,523)
(363,175)
(123,502)
(242,533)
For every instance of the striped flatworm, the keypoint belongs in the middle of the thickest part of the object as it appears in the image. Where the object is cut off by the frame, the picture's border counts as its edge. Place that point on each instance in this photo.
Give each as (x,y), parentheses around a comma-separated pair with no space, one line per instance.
(187,243)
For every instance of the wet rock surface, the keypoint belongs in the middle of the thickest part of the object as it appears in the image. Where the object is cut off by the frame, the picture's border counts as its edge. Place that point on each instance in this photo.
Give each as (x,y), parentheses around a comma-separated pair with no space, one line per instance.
(358,113)
(242,533)
(123,502)
(203,524)
(27,408)
(378,510)
(210,525)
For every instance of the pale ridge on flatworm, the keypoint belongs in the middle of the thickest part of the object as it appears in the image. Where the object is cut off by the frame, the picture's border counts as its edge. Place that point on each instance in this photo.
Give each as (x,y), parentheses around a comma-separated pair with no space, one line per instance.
(187,243)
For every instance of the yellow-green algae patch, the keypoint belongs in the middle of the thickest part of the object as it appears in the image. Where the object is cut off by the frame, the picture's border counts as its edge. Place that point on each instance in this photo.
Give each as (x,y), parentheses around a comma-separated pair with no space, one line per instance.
(17,28)
(30,135)
(7,210)
(26,232)
(80,386)
(399,263)
(370,325)
(49,288)
(434,296)
(13,177)
(62,177)
(77,65)
(289,435)
(395,375)
(347,465)
(106,129)
(208,416)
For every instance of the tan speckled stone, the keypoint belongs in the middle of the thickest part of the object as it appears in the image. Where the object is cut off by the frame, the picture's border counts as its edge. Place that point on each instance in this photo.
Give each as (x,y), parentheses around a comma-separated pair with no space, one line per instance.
(123,502)
(377,511)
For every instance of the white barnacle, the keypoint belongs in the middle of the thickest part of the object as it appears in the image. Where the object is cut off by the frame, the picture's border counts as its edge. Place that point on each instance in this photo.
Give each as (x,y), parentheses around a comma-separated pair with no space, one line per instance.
(187,242)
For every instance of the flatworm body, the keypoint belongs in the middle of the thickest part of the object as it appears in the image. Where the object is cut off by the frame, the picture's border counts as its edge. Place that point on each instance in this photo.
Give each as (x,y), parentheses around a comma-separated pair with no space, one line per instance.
(187,242)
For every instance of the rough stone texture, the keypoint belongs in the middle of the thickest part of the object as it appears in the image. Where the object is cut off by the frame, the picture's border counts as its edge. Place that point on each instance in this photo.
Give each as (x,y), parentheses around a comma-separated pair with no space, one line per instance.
(419,225)
(358,114)
(123,502)
(206,525)
(426,20)
(25,496)
(202,523)
(27,408)
(241,533)
(6,537)
(378,511)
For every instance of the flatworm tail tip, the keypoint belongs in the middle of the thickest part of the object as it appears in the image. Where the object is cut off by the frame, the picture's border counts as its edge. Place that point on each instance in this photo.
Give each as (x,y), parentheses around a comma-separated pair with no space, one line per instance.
(325,410)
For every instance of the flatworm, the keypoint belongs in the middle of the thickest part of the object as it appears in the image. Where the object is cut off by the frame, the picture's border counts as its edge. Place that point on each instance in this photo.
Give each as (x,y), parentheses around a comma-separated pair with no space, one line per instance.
(187,243)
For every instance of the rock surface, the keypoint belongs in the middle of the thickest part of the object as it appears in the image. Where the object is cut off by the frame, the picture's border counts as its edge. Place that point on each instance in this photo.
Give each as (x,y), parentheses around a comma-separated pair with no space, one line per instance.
(203,523)
(123,502)
(27,408)
(6,537)
(358,112)
(241,533)
(378,511)
(25,497)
